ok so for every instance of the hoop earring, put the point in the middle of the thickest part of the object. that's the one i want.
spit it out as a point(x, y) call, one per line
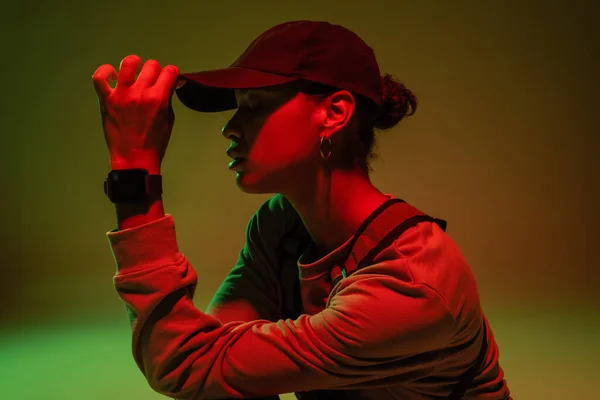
point(325, 155)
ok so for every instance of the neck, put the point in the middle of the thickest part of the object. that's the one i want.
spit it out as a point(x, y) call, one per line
point(334, 209)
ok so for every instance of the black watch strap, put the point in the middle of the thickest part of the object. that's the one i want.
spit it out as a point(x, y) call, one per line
point(132, 185)
point(154, 185)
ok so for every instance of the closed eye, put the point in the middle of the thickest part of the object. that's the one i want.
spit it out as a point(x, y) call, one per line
point(257, 108)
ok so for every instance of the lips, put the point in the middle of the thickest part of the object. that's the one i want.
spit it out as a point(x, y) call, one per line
point(234, 153)
point(238, 158)
point(236, 163)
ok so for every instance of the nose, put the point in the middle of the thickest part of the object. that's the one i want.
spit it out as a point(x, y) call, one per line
point(230, 133)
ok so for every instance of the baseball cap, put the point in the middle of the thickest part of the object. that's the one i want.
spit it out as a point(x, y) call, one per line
point(315, 51)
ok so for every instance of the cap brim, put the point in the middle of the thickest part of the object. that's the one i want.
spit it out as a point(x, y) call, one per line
point(213, 91)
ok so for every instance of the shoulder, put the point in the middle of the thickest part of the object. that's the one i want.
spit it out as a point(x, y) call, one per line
point(433, 259)
point(277, 210)
point(427, 243)
point(274, 218)
point(424, 235)
point(277, 204)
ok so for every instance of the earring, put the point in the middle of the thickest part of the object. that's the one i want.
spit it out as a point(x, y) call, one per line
point(325, 155)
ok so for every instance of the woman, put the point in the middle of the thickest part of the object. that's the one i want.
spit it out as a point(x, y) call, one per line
point(292, 315)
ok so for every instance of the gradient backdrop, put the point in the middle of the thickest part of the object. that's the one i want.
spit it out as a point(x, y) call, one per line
point(504, 145)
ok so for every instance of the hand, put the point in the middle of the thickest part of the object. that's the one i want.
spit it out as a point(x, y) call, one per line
point(137, 115)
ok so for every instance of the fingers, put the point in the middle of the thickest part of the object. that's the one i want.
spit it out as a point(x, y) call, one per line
point(101, 78)
point(149, 74)
point(167, 79)
point(130, 66)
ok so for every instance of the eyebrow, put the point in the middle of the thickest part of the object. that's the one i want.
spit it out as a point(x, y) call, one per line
point(246, 94)
point(252, 94)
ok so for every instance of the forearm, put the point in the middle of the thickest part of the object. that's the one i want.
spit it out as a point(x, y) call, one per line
point(132, 215)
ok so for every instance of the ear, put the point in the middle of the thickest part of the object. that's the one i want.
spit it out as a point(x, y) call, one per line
point(339, 109)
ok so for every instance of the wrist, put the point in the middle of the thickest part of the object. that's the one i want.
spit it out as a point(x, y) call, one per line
point(133, 215)
point(152, 170)
point(148, 163)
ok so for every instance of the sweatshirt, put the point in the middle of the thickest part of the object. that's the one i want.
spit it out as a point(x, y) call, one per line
point(406, 326)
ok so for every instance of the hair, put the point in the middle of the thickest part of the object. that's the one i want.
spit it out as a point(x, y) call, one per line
point(397, 103)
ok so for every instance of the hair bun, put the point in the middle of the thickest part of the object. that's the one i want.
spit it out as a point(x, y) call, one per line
point(398, 102)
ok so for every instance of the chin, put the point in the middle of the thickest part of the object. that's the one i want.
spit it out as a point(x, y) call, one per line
point(248, 185)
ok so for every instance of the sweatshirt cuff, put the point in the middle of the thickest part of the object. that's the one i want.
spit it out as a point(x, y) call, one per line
point(145, 247)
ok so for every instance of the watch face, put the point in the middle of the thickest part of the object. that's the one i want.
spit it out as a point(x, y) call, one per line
point(126, 186)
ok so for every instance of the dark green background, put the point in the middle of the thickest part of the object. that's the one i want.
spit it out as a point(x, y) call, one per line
point(504, 146)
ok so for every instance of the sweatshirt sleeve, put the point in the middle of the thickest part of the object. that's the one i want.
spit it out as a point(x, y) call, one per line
point(373, 325)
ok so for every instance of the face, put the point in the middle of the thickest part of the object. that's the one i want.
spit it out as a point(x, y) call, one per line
point(276, 133)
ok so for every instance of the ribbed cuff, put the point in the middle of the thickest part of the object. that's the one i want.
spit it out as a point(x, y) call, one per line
point(146, 246)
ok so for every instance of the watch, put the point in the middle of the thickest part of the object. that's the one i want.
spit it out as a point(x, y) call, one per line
point(132, 185)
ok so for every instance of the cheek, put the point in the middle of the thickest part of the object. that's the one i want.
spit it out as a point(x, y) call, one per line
point(284, 140)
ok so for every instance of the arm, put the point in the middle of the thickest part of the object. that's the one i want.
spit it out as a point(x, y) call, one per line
point(249, 291)
point(187, 354)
